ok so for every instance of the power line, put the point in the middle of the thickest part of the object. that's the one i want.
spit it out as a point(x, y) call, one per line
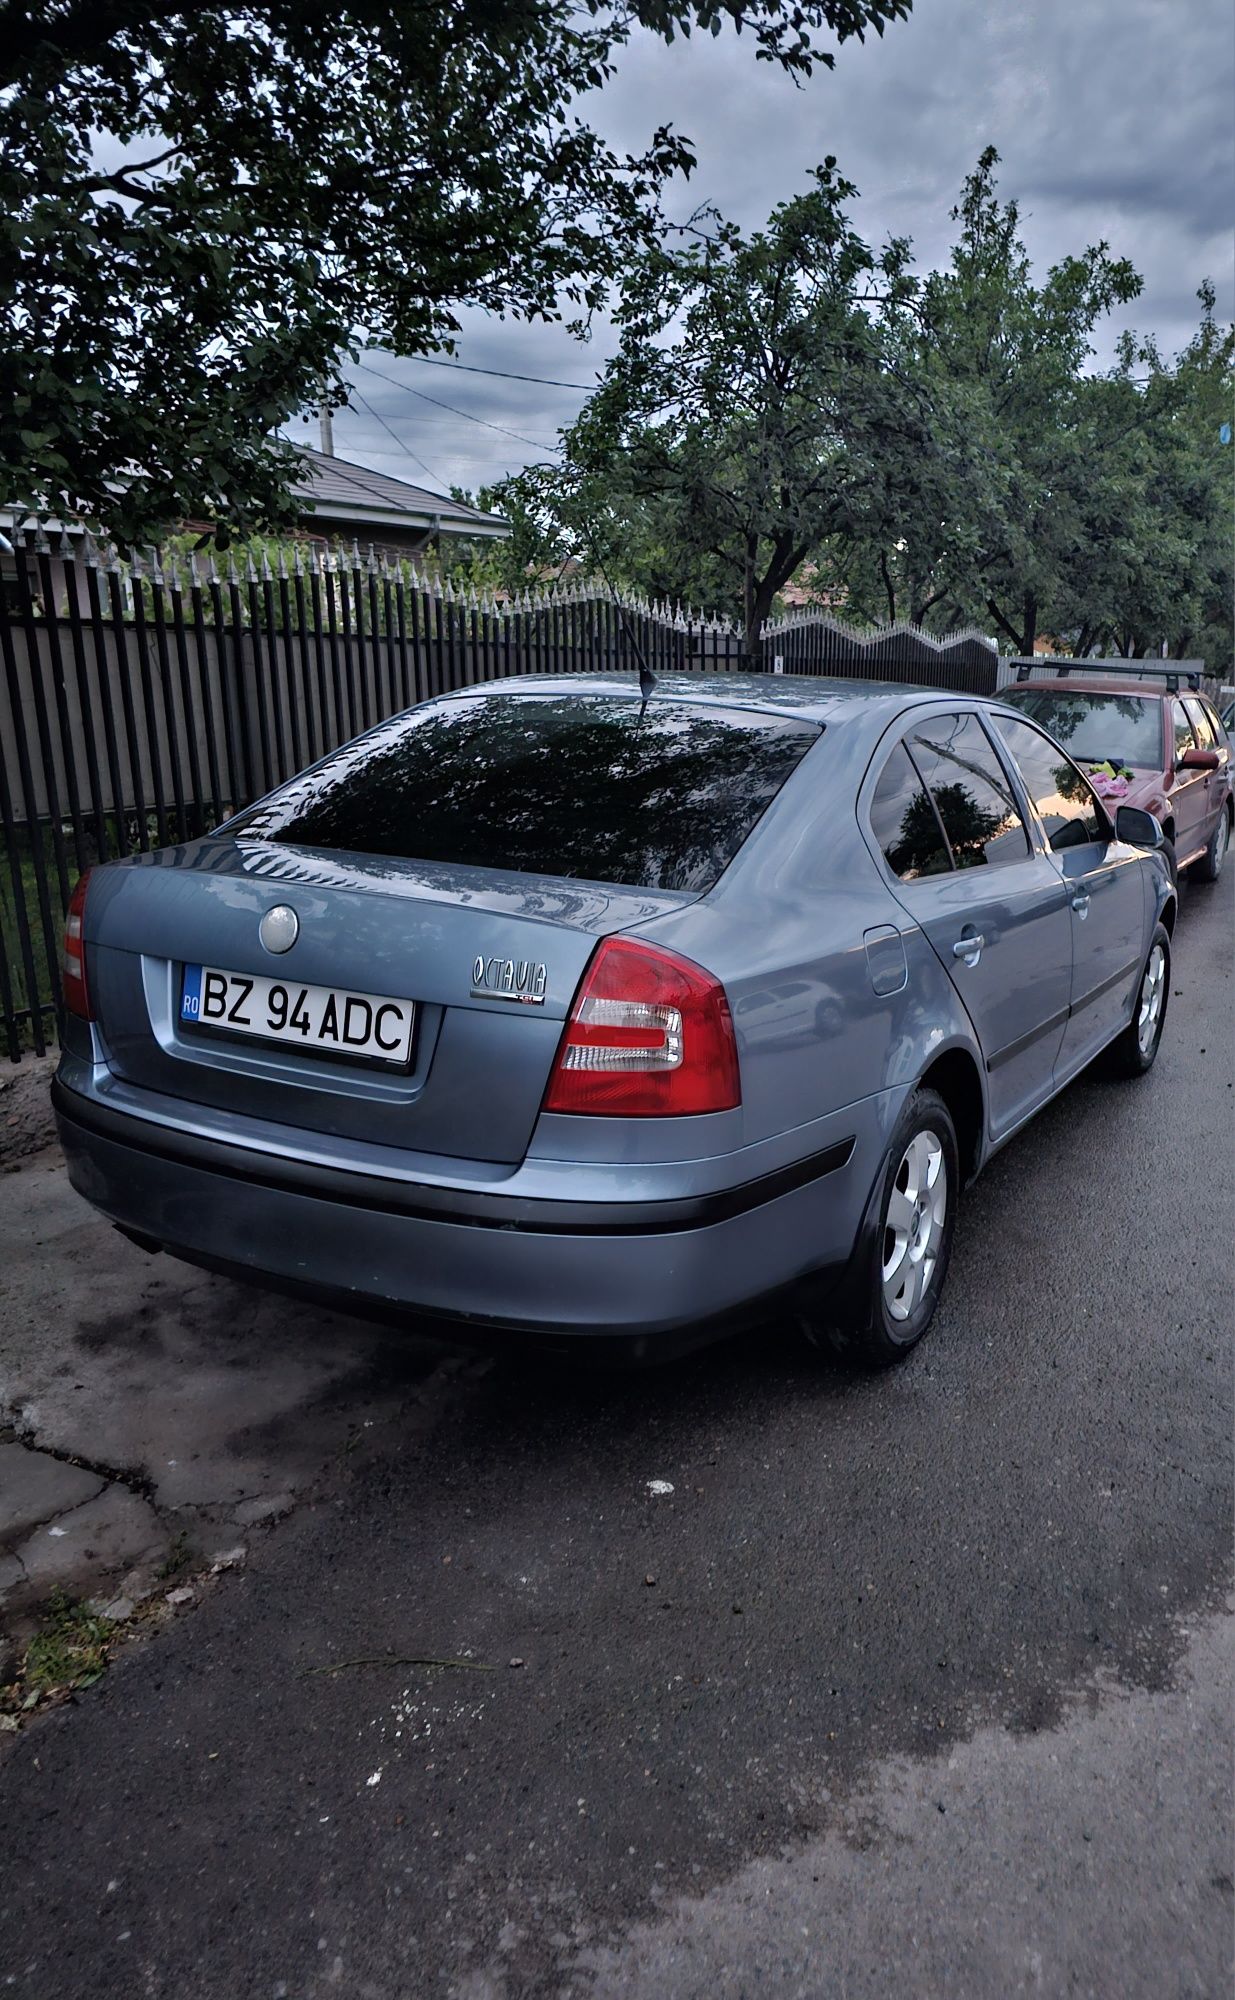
point(505, 374)
point(401, 442)
point(537, 444)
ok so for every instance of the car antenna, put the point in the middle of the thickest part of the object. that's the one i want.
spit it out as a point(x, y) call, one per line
point(648, 682)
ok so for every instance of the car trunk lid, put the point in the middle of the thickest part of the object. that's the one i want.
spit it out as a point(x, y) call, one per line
point(491, 961)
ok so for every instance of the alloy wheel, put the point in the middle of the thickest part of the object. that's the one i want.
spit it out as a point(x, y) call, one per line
point(1153, 992)
point(914, 1224)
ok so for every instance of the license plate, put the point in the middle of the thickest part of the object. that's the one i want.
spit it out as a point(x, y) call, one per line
point(326, 1020)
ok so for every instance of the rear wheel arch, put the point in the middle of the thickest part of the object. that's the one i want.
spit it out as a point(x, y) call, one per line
point(1168, 914)
point(958, 1080)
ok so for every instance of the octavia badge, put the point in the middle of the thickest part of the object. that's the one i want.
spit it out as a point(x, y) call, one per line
point(279, 928)
point(517, 979)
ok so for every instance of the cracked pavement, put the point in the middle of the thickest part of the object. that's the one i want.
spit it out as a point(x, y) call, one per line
point(780, 1683)
point(143, 1404)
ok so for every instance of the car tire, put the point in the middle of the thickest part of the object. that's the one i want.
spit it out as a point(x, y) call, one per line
point(1133, 1052)
point(1209, 867)
point(892, 1287)
point(1171, 859)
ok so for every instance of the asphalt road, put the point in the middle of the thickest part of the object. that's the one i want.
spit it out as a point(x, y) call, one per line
point(917, 1683)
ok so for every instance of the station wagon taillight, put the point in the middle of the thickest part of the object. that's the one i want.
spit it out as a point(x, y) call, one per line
point(73, 956)
point(650, 1036)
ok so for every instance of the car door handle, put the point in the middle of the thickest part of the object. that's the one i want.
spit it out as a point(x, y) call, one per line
point(1080, 902)
point(969, 948)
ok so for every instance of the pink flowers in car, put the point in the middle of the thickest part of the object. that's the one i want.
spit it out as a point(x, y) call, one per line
point(1110, 781)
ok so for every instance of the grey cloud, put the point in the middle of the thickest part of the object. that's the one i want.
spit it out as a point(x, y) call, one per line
point(1113, 118)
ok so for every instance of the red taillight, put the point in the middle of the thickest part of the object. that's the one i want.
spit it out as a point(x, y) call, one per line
point(650, 1036)
point(73, 957)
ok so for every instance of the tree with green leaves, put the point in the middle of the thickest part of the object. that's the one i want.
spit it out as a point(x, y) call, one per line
point(205, 209)
point(1001, 359)
point(1152, 561)
point(746, 418)
point(936, 449)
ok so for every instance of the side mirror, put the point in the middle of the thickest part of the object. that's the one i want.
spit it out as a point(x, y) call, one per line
point(1198, 760)
point(1138, 829)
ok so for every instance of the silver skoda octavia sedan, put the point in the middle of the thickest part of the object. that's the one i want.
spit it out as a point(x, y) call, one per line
point(547, 1006)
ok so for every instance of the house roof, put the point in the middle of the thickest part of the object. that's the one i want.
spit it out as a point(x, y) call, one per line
point(337, 490)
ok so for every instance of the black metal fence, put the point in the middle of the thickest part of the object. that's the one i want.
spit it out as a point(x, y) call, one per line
point(143, 701)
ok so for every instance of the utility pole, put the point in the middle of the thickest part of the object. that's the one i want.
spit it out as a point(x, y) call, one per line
point(325, 418)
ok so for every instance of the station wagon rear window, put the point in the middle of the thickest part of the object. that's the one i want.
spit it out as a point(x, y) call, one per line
point(596, 787)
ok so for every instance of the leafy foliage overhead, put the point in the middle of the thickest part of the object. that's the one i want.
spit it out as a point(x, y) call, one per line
point(202, 208)
point(745, 417)
point(793, 405)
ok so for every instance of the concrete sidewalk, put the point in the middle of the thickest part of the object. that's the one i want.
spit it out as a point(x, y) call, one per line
point(152, 1416)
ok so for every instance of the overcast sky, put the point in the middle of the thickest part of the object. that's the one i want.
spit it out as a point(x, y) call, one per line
point(1115, 119)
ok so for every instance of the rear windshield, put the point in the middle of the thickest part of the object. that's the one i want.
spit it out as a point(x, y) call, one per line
point(1097, 728)
point(581, 785)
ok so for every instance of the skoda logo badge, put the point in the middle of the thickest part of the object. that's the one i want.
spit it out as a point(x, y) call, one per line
point(279, 928)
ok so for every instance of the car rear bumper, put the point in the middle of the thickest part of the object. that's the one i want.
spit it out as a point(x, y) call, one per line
point(379, 1243)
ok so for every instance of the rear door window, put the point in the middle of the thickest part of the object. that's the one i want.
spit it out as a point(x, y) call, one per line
point(905, 823)
point(1063, 797)
point(599, 787)
point(1182, 729)
point(971, 790)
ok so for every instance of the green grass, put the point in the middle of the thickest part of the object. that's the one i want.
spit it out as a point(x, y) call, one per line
point(69, 1651)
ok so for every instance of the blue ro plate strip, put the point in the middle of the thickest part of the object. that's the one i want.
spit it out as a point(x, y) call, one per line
point(191, 993)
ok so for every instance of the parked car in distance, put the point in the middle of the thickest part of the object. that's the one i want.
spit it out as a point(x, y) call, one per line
point(1226, 708)
point(1162, 730)
point(550, 1007)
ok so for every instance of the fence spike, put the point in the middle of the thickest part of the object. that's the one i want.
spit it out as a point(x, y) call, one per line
point(93, 557)
point(371, 564)
point(176, 583)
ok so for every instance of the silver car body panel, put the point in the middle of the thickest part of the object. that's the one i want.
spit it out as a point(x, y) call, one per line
point(444, 1187)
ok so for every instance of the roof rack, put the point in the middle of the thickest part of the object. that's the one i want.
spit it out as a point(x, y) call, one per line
point(1173, 673)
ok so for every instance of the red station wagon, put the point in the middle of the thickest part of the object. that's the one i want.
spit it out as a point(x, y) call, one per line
point(1154, 725)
